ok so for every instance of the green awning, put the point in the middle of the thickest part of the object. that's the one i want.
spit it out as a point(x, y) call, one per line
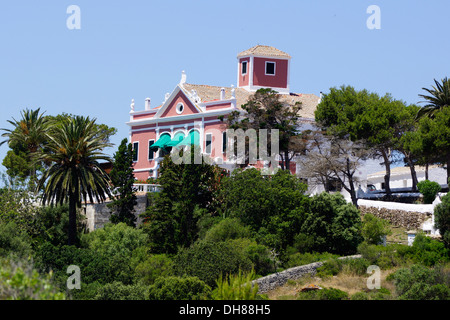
point(193, 138)
point(162, 142)
point(176, 140)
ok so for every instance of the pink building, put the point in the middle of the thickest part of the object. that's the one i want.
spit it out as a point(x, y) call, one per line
point(189, 115)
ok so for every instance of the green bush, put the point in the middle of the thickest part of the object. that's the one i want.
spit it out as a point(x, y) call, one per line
point(236, 287)
point(94, 268)
point(442, 218)
point(14, 241)
point(299, 259)
point(155, 266)
point(385, 257)
point(426, 251)
point(52, 223)
point(360, 296)
point(229, 228)
point(208, 260)
point(177, 288)
point(357, 266)
point(273, 207)
point(205, 222)
point(333, 224)
point(323, 294)
point(20, 281)
point(422, 283)
point(119, 291)
point(121, 246)
point(429, 189)
point(374, 229)
point(329, 268)
point(334, 266)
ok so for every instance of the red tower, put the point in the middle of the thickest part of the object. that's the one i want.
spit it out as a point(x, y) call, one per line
point(263, 67)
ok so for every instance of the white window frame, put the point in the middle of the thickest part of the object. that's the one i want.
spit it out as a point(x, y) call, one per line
point(177, 108)
point(154, 152)
point(224, 142)
point(274, 68)
point(137, 153)
point(206, 146)
point(246, 67)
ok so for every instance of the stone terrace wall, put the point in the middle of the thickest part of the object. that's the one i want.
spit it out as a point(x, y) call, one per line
point(399, 218)
point(278, 279)
point(98, 214)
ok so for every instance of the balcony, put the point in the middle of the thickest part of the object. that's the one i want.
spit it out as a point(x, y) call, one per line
point(143, 187)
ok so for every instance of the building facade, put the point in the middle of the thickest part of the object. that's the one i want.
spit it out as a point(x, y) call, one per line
point(189, 115)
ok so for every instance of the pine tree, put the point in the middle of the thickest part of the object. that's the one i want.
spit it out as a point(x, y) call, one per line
point(123, 179)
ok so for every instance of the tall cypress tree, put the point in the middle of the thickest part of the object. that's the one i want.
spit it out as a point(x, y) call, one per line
point(122, 178)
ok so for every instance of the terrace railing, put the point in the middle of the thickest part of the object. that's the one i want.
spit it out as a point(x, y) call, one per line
point(142, 187)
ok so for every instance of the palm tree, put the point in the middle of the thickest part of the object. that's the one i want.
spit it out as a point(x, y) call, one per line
point(30, 132)
point(73, 152)
point(438, 99)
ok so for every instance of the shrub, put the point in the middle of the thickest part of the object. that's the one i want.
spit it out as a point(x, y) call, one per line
point(299, 259)
point(329, 268)
point(229, 228)
point(323, 294)
point(333, 224)
point(374, 229)
point(208, 260)
point(121, 246)
point(177, 288)
point(52, 223)
point(118, 291)
point(20, 281)
point(429, 189)
point(273, 207)
point(205, 222)
point(14, 241)
point(426, 251)
point(422, 283)
point(96, 270)
point(360, 296)
point(385, 257)
point(155, 266)
point(442, 218)
point(115, 239)
point(236, 287)
point(263, 260)
point(357, 266)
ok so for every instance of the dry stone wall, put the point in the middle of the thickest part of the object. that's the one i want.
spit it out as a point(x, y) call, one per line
point(278, 279)
point(399, 218)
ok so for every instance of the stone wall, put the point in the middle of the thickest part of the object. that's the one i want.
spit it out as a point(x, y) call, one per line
point(278, 279)
point(400, 218)
point(98, 214)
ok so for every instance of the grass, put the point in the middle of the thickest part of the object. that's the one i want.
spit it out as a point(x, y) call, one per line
point(398, 235)
point(346, 281)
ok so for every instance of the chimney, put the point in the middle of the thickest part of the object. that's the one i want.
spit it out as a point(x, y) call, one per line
point(222, 94)
point(183, 77)
point(147, 104)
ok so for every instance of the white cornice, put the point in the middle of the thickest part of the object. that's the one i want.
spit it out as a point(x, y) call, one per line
point(266, 57)
point(142, 122)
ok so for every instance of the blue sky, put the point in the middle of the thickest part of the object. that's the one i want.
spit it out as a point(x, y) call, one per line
point(137, 49)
